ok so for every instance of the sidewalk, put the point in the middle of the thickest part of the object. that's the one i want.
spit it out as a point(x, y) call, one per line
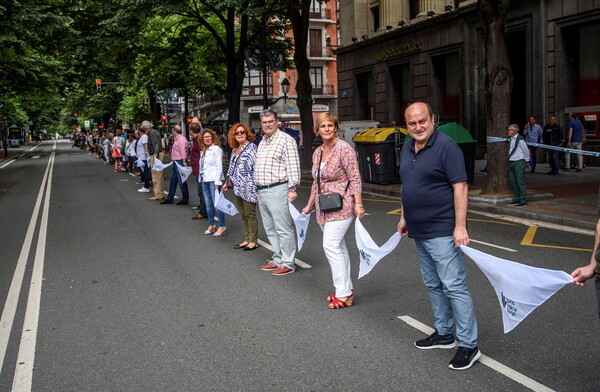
point(15, 151)
point(569, 199)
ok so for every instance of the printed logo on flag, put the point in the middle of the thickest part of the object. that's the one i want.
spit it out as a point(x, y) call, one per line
point(365, 256)
point(509, 305)
point(302, 233)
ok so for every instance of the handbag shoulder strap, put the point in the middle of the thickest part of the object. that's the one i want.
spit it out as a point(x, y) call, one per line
point(319, 176)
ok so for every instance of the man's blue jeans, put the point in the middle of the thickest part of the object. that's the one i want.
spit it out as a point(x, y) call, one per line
point(174, 180)
point(443, 272)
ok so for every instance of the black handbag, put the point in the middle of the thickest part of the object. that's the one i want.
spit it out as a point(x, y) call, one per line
point(330, 202)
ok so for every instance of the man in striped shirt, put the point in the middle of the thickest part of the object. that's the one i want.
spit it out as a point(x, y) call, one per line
point(277, 175)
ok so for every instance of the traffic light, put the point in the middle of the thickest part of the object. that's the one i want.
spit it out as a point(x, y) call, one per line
point(98, 84)
point(164, 117)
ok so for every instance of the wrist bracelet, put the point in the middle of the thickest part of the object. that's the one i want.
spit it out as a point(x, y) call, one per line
point(359, 205)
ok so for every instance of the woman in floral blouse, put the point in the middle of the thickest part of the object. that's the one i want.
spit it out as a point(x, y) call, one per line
point(336, 168)
point(241, 174)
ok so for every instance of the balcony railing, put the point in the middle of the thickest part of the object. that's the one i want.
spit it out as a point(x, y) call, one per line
point(319, 51)
point(253, 91)
point(316, 13)
point(323, 89)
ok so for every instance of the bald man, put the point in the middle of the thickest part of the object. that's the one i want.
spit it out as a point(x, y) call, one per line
point(434, 214)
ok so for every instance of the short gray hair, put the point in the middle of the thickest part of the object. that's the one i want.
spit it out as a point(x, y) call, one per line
point(514, 127)
point(268, 112)
point(146, 124)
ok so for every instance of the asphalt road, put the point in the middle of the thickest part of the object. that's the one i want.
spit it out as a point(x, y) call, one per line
point(135, 298)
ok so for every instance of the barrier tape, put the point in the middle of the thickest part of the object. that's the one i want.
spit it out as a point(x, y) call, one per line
point(491, 139)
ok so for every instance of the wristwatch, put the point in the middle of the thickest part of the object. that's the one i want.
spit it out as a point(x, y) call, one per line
point(292, 190)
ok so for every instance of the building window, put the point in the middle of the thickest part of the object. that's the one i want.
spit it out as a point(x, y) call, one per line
point(399, 92)
point(316, 80)
point(414, 8)
point(365, 98)
point(376, 20)
point(253, 84)
point(315, 9)
point(446, 86)
point(315, 42)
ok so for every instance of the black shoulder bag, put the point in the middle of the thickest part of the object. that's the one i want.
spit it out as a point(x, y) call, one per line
point(333, 201)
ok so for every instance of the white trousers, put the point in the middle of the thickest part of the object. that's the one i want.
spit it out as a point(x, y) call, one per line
point(334, 245)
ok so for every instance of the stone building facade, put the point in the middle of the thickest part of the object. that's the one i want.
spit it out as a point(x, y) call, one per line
point(397, 52)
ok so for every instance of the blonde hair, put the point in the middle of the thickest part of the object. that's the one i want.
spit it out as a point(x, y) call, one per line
point(325, 116)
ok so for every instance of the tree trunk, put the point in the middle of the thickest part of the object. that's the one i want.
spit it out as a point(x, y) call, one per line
point(300, 22)
point(154, 109)
point(498, 84)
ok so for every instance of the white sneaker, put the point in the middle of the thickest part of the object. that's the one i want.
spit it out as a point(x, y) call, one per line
point(144, 190)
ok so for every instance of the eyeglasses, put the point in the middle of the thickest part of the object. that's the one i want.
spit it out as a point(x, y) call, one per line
point(240, 133)
point(206, 137)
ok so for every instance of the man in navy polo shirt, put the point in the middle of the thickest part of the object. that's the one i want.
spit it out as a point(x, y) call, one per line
point(434, 214)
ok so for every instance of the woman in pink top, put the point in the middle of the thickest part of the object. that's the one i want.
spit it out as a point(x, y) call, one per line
point(335, 168)
point(178, 155)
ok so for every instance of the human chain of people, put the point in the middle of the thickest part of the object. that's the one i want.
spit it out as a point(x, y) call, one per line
point(266, 177)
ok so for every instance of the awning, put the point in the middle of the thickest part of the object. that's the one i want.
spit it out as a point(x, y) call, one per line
point(217, 116)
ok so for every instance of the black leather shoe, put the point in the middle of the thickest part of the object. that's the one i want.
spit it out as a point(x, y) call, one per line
point(182, 202)
point(166, 201)
point(247, 248)
point(238, 246)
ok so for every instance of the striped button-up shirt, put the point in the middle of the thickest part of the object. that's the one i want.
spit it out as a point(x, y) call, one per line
point(277, 160)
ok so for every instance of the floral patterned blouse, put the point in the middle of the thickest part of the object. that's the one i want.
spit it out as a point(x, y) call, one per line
point(241, 172)
point(341, 167)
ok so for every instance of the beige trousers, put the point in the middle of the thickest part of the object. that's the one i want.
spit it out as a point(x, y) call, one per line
point(157, 178)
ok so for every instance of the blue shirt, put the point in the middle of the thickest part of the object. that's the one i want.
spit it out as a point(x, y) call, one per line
point(533, 134)
point(427, 192)
point(576, 136)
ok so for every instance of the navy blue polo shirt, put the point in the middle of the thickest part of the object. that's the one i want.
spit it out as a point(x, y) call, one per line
point(427, 193)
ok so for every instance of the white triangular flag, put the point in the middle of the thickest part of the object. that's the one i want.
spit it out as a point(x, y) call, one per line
point(184, 172)
point(159, 166)
point(301, 222)
point(221, 203)
point(369, 252)
point(140, 163)
point(520, 288)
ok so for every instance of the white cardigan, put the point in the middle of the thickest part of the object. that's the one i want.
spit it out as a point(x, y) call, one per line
point(212, 170)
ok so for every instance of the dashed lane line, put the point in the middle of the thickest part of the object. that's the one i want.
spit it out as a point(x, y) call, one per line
point(487, 361)
point(493, 245)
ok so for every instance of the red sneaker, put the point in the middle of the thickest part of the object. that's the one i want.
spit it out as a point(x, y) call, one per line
point(282, 270)
point(139, 182)
point(271, 266)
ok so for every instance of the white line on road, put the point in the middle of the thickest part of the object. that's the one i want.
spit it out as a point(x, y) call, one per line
point(21, 155)
point(35, 156)
point(297, 261)
point(487, 361)
point(492, 245)
point(530, 222)
point(23, 377)
point(12, 299)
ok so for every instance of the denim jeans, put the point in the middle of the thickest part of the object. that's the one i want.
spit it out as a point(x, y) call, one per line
point(208, 189)
point(443, 272)
point(574, 146)
point(176, 179)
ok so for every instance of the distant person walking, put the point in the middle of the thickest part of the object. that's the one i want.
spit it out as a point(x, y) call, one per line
point(533, 134)
point(574, 141)
point(553, 136)
point(518, 156)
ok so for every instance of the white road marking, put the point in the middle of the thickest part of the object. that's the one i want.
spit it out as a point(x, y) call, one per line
point(487, 361)
point(297, 261)
point(530, 222)
point(12, 299)
point(7, 163)
point(35, 156)
point(23, 377)
point(492, 245)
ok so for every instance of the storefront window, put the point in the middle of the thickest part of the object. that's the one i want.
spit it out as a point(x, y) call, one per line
point(446, 86)
point(365, 97)
point(399, 92)
point(589, 65)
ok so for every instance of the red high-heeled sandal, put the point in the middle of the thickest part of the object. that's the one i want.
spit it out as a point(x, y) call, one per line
point(332, 297)
point(340, 304)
